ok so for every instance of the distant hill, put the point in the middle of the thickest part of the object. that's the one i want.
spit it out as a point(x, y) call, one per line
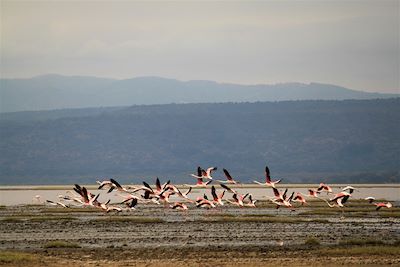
point(301, 141)
point(59, 92)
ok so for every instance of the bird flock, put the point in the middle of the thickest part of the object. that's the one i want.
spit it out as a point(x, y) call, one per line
point(160, 193)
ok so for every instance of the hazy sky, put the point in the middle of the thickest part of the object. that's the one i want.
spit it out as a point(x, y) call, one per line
point(349, 43)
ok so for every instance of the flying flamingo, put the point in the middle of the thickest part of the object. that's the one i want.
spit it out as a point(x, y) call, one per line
point(324, 187)
point(252, 202)
point(369, 199)
point(350, 188)
point(56, 203)
point(313, 193)
point(340, 198)
point(184, 195)
point(179, 206)
point(383, 205)
point(238, 199)
point(106, 183)
point(199, 174)
point(268, 180)
point(207, 174)
point(200, 183)
point(228, 188)
point(204, 202)
point(116, 185)
point(217, 198)
point(131, 205)
point(87, 198)
point(37, 198)
point(281, 199)
point(229, 179)
point(300, 198)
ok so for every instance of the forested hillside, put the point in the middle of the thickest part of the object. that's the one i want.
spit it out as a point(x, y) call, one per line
point(301, 141)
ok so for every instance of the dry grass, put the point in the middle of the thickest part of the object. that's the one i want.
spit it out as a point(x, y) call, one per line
point(312, 241)
point(266, 219)
point(61, 244)
point(128, 219)
point(14, 257)
point(68, 210)
point(51, 218)
point(361, 242)
point(361, 250)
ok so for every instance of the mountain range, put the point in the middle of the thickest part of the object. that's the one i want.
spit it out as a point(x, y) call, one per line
point(54, 91)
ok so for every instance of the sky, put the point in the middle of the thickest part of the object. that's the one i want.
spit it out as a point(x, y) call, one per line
point(355, 44)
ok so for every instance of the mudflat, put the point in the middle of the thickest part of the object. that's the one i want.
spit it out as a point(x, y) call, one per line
point(151, 235)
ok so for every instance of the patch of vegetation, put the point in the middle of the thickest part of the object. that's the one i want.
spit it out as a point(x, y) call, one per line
point(61, 244)
point(219, 215)
point(361, 242)
point(362, 250)
point(12, 257)
point(353, 212)
point(129, 219)
point(68, 210)
point(51, 218)
point(2, 207)
point(12, 220)
point(270, 219)
point(258, 215)
point(312, 241)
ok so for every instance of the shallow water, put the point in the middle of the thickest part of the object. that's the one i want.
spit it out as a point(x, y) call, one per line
point(17, 195)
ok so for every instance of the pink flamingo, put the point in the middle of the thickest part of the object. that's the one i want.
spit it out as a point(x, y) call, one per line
point(383, 205)
point(229, 179)
point(217, 198)
point(268, 180)
point(179, 206)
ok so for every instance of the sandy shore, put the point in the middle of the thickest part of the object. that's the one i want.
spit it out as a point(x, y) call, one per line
point(154, 236)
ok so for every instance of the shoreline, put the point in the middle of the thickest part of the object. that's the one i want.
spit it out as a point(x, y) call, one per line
point(92, 186)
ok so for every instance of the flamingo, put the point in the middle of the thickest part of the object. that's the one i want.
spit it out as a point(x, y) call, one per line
point(199, 174)
point(132, 204)
point(383, 205)
point(325, 187)
point(340, 198)
point(179, 206)
point(281, 199)
point(228, 188)
point(268, 180)
point(229, 179)
point(252, 202)
point(204, 202)
point(207, 174)
point(37, 198)
point(200, 183)
point(184, 195)
point(217, 198)
point(238, 199)
point(58, 203)
point(350, 188)
point(87, 198)
point(164, 196)
point(105, 183)
point(300, 198)
point(313, 193)
point(151, 197)
point(369, 199)
point(159, 187)
point(116, 185)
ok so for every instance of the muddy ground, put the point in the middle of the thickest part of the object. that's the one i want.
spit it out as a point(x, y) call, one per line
point(230, 236)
